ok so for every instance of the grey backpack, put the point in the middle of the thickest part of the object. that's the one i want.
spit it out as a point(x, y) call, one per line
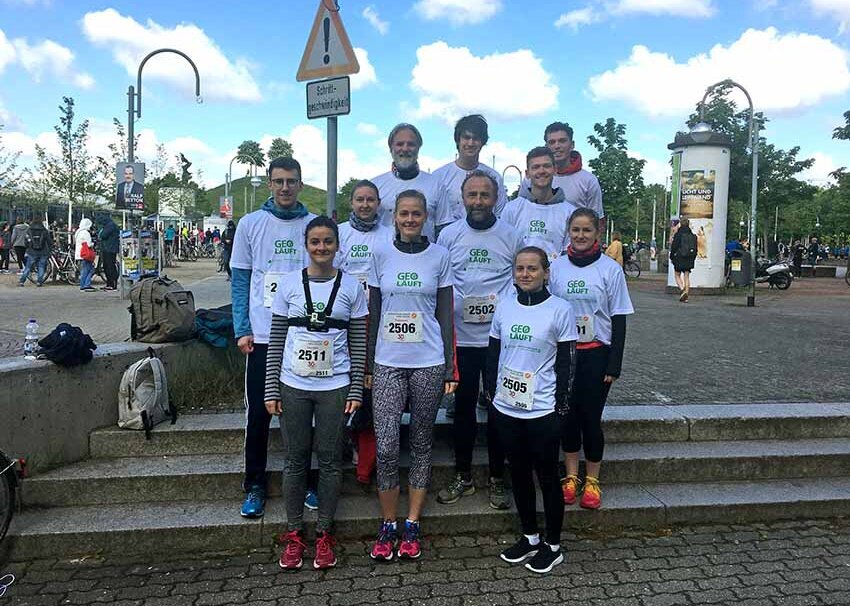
point(143, 396)
point(161, 311)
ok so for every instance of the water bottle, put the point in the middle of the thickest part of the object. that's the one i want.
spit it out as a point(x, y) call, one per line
point(31, 340)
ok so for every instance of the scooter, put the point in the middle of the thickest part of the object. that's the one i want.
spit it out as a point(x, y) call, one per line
point(777, 273)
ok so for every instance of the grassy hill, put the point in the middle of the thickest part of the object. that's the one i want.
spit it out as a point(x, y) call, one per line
point(315, 198)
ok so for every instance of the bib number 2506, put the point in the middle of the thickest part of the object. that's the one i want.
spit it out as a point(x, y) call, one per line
point(403, 327)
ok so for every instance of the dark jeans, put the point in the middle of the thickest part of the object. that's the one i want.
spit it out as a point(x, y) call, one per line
point(4, 258)
point(110, 266)
point(20, 254)
point(471, 364)
point(583, 424)
point(258, 419)
point(533, 446)
point(40, 261)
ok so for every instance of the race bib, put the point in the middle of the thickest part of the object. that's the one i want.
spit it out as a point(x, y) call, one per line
point(586, 333)
point(403, 327)
point(271, 281)
point(362, 279)
point(313, 357)
point(479, 310)
point(516, 387)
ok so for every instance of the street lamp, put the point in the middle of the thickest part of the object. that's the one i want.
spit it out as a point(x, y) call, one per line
point(817, 222)
point(516, 168)
point(256, 181)
point(754, 146)
point(227, 178)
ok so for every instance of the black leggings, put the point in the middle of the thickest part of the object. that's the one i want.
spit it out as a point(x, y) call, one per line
point(20, 254)
point(4, 258)
point(583, 424)
point(110, 266)
point(257, 417)
point(532, 446)
point(471, 364)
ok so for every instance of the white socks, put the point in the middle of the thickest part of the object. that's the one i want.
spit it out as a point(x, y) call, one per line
point(533, 539)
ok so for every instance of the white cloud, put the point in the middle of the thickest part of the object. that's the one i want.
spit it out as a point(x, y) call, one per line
point(45, 59)
point(838, 9)
point(8, 119)
point(366, 75)
point(372, 16)
point(602, 9)
point(818, 174)
point(776, 70)
point(458, 12)
point(452, 82)
point(129, 41)
point(578, 17)
point(654, 171)
point(366, 128)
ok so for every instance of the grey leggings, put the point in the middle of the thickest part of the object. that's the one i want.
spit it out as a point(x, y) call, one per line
point(296, 426)
point(391, 388)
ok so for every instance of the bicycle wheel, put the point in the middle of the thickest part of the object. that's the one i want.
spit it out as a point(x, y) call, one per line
point(632, 269)
point(7, 497)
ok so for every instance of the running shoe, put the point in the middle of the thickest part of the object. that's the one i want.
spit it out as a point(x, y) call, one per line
point(255, 502)
point(519, 551)
point(325, 557)
point(570, 487)
point(545, 559)
point(311, 500)
point(498, 495)
point(292, 556)
point(457, 488)
point(384, 546)
point(592, 495)
point(410, 547)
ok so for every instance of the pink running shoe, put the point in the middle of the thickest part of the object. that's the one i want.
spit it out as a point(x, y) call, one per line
point(325, 557)
point(292, 556)
point(385, 543)
point(409, 548)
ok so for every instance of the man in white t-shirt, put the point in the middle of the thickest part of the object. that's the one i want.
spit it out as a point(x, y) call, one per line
point(268, 244)
point(404, 142)
point(581, 188)
point(470, 137)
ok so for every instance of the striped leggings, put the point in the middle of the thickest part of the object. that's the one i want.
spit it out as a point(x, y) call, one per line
point(392, 387)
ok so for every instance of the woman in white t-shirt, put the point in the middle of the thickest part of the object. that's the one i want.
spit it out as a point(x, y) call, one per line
point(595, 286)
point(411, 355)
point(315, 366)
point(530, 364)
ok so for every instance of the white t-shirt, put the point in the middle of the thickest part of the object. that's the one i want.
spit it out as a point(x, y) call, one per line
point(529, 334)
point(482, 272)
point(317, 361)
point(409, 335)
point(580, 189)
point(269, 247)
point(541, 225)
point(596, 292)
point(355, 249)
point(451, 177)
point(390, 186)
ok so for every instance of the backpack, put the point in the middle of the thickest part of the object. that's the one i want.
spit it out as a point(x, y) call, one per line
point(161, 311)
point(67, 345)
point(215, 326)
point(143, 396)
point(37, 238)
point(687, 245)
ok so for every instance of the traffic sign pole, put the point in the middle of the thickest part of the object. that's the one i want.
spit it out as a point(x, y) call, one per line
point(332, 160)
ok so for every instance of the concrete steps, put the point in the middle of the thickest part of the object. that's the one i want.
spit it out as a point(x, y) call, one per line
point(664, 465)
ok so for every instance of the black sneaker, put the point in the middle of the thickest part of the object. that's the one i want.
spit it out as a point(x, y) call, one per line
point(545, 560)
point(519, 551)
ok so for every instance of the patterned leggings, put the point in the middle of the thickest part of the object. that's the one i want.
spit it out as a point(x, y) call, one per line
point(392, 387)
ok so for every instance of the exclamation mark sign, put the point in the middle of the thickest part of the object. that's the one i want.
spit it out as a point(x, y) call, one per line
point(327, 24)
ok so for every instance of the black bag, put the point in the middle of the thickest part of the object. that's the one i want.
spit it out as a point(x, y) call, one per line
point(687, 247)
point(37, 238)
point(67, 345)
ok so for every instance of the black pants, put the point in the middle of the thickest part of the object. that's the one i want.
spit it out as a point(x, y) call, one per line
point(533, 446)
point(258, 418)
point(583, 424)
point(110, 266)
point(20, 253)
point(4, 258)
point(471, 364)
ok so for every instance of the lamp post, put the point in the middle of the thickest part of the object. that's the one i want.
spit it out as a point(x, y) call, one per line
point(256, 181)
point(134, 110)
point(754, 147)
point(516, 168)
point(227, 178)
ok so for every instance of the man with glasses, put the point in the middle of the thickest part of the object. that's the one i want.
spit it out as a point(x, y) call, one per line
point(404, 143)
point(268, 244)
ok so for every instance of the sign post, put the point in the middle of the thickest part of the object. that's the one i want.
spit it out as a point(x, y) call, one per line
point(328, 53)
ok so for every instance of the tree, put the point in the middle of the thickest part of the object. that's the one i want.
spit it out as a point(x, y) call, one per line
point(280, 148)
point(343, 200)
point(843, 132)
point(9, 174)
point(620, 176)
point(252, 150)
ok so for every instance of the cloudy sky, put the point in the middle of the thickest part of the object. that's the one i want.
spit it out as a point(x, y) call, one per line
point(522, 64)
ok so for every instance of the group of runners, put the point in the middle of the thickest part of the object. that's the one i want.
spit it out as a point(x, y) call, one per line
point(436, 285)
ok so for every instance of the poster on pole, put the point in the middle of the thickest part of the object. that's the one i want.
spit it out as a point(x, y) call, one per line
point(130, 242)
point(130, 186)
point(225, 207)
point(697, 194)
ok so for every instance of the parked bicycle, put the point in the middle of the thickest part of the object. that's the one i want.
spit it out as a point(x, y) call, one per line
point(632, 268)
point(61, 266)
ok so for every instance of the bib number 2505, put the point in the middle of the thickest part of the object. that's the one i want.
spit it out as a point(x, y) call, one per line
point(516, 388)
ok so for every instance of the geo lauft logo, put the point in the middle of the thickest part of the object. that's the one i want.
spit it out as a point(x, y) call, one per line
point(360, 251)
point(521, 332)
point(537, 227)
point(479, 255)
point(284, 247)
point(409, 279)
point(577, 287)
point(317, 306)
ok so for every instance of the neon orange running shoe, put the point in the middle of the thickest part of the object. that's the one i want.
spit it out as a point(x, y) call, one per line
point(570, 487)
point(591, 498)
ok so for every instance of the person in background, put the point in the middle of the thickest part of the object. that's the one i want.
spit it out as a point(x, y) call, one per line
point(83, 236)
point(615, 248)
point(19, 241)
point(813, 251)
point(227, 245)
point(5, 247)
point(170, 232)
point(110, 242)
point(39, 244)
point(683, 253)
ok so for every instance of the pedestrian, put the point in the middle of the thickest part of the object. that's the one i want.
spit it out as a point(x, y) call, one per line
point(482, 250)
point(5, 247)
point(83, 240)
point(410, 305)
point(19, 241)
point(683, 253)
point(359, 237)
point(110, 242)
point(39, 244)
point(227, 245)
point(797, 258)
point(615, 248)
point(813, 251)
point(267, 245)
point(170, 232)
point(541, 211)
point(530, 365)
point(316, 361)
point(595, 286)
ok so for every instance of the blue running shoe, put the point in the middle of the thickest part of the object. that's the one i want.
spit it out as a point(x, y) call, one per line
point(255, 502)
point(311, 500)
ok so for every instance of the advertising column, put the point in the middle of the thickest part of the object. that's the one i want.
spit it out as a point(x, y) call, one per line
point(699, 193)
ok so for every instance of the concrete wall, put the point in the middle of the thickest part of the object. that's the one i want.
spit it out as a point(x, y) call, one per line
point(47, 411)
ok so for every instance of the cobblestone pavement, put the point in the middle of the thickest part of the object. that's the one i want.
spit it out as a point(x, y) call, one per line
point(782, 564)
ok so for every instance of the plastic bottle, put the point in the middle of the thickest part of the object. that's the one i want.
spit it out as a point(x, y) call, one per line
point(31, 340)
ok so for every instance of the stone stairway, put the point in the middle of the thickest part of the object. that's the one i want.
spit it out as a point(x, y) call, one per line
point(664, 465)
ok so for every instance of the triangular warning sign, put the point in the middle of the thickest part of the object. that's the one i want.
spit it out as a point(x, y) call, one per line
point(328, 51)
